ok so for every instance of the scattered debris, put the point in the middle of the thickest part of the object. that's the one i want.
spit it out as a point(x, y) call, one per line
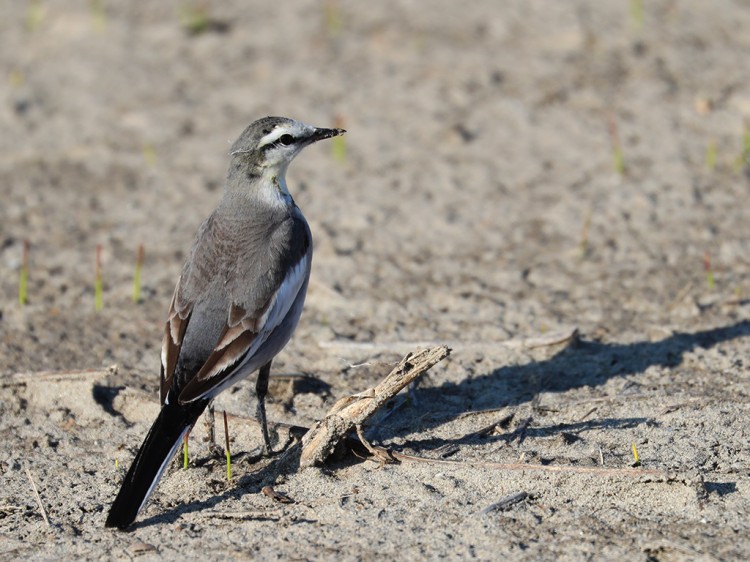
point(504, 502)
point(36, 495)
point(139, 547)
point(276, 496)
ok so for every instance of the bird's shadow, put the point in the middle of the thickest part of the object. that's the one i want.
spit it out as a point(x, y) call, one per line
point(582, 363)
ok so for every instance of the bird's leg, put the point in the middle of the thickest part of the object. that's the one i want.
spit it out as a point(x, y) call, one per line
point(209, 420)
point(261, 389)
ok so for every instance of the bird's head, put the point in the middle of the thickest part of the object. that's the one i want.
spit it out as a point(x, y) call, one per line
point(269, 144)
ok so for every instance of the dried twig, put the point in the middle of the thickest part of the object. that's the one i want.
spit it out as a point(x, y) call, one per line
point(447, 450)
point(381, 454)
point(587, 414)
point(36, 494)
point(363, 440)
point(246, 515)
point(520, 431)
point(139, 548)
point(612, 472)
point(348, 412)
point(480, 412)
point(504, 502)
point(492, 428)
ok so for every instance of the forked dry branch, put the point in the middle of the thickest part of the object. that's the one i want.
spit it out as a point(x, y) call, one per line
point(352, 411)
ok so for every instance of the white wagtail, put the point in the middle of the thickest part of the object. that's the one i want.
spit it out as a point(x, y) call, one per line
point(237, 301)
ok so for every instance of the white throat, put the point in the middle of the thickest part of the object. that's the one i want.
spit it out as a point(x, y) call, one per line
point(273, 187)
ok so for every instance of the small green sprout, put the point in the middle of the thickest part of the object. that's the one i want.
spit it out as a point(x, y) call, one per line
point(194, 18)
point(637, 460)
point(34, 15)
point(98, 15)
point(334, 21)
point(709, 271)
point(15, 78)
point(226, 450)
point(637, 14)
point(149, 154)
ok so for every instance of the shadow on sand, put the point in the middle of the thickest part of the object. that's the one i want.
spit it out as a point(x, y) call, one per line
point(582, 363)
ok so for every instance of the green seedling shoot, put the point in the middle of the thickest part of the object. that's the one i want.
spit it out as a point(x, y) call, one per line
point(637, 460)
point(34, 15)
point(15, 78)
point(149, 154)
point(185, 451)
point(334, 20)
point(637, 14)
point(709, 271)
point(194, 18)
point(228, 454)
point(98, 15)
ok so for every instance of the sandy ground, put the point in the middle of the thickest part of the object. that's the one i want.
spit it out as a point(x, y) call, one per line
point(477, 205)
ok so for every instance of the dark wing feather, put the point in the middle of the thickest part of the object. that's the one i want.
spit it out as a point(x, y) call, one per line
point(174, 332)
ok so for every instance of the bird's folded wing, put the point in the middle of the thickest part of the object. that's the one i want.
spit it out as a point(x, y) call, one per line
point(174, 332)
point(245, 333)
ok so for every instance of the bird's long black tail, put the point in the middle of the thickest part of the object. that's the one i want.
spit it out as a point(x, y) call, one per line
point(152, 459)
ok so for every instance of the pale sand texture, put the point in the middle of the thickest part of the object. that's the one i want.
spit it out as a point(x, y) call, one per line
point(477, 205)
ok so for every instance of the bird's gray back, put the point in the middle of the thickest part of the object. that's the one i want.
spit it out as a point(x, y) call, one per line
point(238, 261)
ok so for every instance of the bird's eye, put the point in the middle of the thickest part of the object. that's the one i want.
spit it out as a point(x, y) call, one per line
point(286, 140)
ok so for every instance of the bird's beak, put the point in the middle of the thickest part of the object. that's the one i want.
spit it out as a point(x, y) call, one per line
point(320, 134)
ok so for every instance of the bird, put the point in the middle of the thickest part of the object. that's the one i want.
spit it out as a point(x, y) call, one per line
point(237, 301)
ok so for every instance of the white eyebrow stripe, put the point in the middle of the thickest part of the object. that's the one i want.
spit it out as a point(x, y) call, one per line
point(274, 135)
